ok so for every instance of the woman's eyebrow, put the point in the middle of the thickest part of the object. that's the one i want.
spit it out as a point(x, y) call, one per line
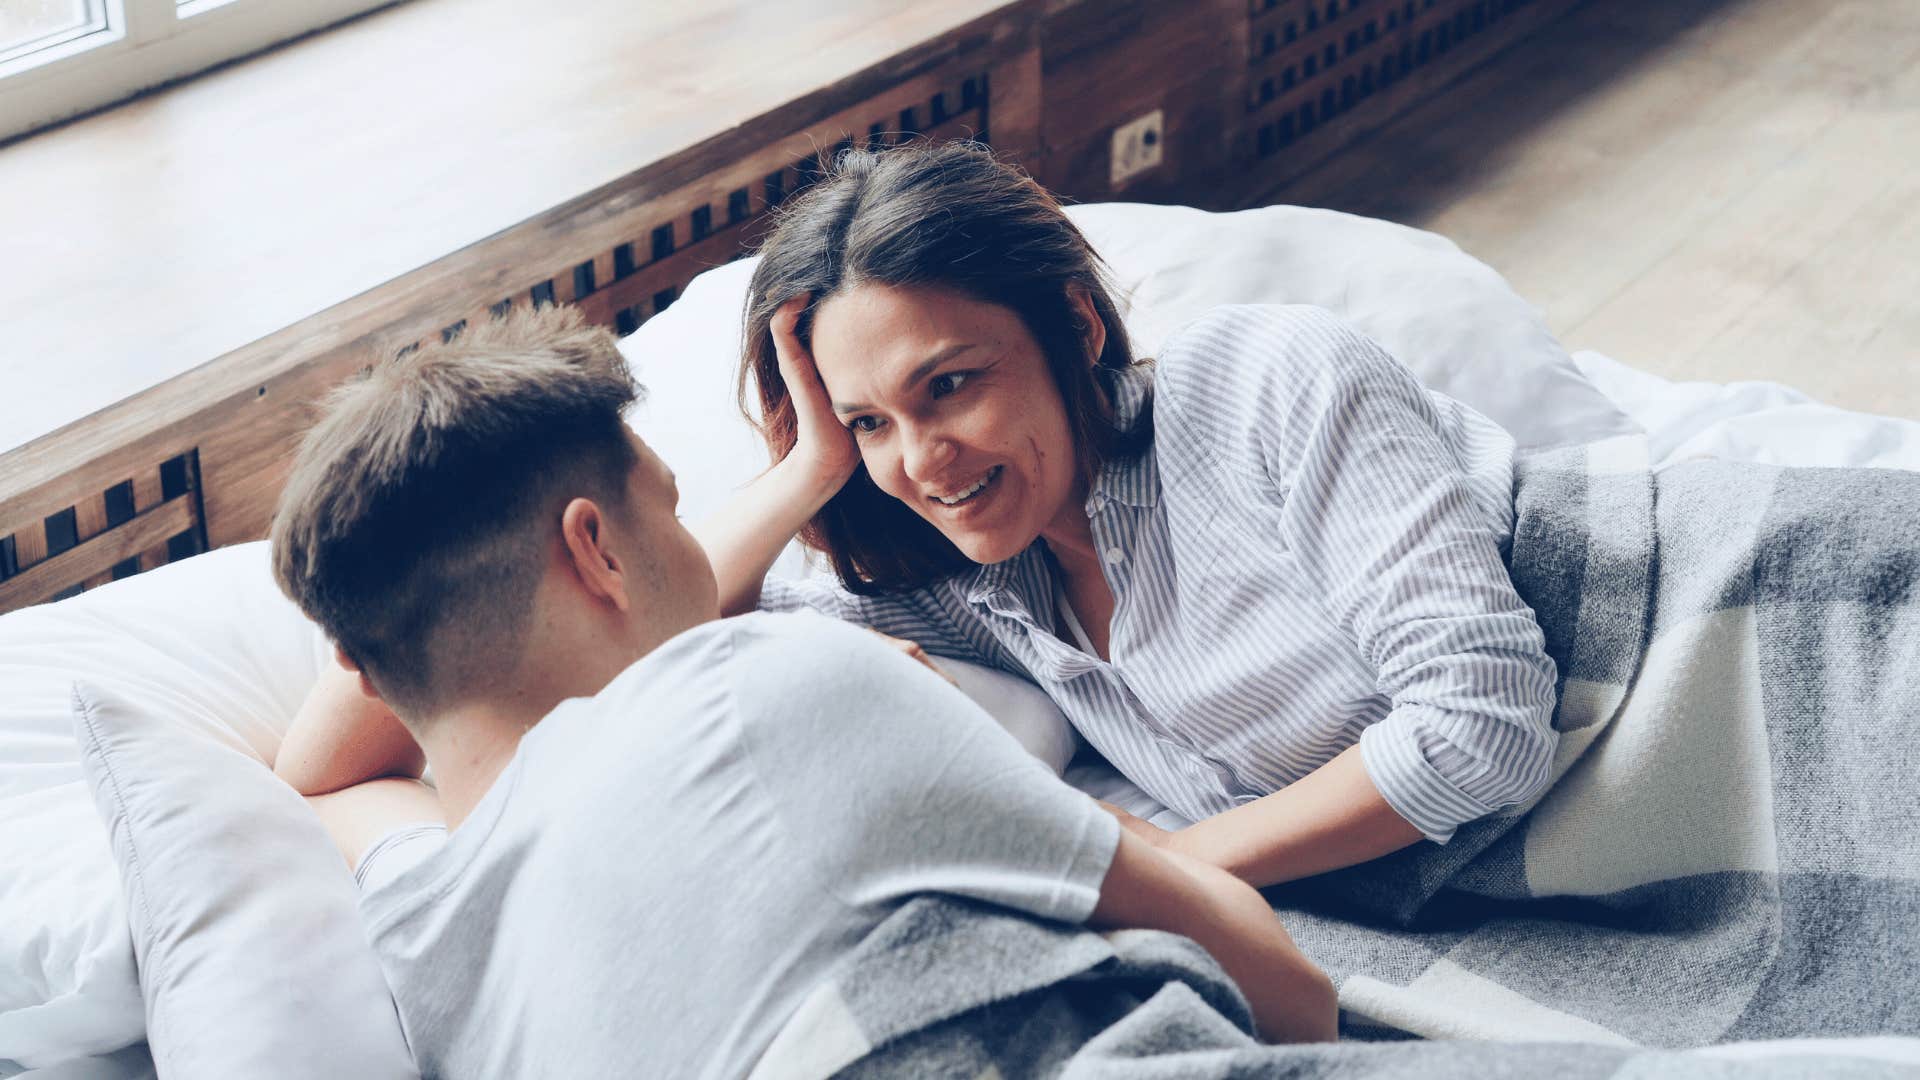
point(920, 371)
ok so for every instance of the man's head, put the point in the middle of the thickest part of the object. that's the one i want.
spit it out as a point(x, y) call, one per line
point(474, 519)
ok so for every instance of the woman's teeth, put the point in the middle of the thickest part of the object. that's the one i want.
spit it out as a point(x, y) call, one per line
point(962, 496)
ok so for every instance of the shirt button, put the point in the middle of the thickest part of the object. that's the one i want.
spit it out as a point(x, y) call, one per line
point(1116, 556)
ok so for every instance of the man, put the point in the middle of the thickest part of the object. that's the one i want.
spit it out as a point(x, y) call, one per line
point(662, 828)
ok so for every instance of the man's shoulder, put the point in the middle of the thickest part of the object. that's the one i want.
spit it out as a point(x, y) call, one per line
point(760, 653)
point(805, 652)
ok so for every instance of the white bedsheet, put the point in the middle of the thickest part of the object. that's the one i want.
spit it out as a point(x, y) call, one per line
point(1761, 422)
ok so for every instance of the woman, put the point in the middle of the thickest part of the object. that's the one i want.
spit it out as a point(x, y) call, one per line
point(1262, 575)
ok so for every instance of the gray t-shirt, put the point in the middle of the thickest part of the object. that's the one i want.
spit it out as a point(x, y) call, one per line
point(664, 870)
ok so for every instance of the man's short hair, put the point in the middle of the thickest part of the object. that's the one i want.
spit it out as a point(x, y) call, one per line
point(416, 522)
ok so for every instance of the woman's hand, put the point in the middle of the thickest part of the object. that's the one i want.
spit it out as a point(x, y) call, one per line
point(342, 736)
point(744, 538)
point(912, 651)
point(823, 452)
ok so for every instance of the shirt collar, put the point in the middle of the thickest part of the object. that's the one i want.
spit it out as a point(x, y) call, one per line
point(1133, 481)
point(991, 579)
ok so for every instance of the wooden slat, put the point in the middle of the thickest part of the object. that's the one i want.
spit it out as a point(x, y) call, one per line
point(146, 488)
point(30, 544)
point(90, 517)
point(97, 556)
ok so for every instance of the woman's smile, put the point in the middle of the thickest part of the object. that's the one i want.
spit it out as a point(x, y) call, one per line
point(973, 493)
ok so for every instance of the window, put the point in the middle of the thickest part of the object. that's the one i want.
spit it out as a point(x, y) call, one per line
point(59, 58)
point(31, 26)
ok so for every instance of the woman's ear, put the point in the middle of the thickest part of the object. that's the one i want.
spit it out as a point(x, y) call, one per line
point(583, 529)
point(1094, 331)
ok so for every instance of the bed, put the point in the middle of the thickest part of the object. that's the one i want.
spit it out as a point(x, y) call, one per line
point(103, 970)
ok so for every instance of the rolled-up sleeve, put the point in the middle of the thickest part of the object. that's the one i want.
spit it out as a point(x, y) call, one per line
point(1378, 510)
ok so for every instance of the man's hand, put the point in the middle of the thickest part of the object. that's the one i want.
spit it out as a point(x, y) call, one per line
point(1160, 889)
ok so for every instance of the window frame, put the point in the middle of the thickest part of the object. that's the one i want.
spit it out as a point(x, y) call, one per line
point(147, 43)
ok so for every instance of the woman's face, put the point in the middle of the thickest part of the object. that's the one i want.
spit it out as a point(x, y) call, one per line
point(954, 411)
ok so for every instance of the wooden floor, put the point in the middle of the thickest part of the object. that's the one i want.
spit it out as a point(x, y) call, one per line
point(1706, 189)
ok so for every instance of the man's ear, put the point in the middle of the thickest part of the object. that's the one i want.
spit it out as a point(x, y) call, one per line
point(1095, 334)
point(583, 529)
point(345, 661)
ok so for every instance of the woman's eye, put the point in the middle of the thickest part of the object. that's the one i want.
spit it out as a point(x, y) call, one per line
point(942, 385)
point(862, 425)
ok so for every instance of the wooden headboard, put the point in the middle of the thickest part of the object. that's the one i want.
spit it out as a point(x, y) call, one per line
point(197, 461)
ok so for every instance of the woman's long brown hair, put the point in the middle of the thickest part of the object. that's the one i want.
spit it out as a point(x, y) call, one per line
point(945, 215)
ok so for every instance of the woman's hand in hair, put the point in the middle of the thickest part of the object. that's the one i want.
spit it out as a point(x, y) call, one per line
point(823, 448)
point(744, 538)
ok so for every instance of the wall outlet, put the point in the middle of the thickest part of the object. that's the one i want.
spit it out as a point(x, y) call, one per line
point(1138, 145)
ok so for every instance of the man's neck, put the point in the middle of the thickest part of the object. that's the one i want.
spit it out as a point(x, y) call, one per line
point(469, 746)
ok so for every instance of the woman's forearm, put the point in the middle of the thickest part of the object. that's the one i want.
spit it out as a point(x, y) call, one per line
point(744, 538)
point(341, 737)
point(1331, 818)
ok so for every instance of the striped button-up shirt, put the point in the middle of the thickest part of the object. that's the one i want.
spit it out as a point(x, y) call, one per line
point(1311, 554)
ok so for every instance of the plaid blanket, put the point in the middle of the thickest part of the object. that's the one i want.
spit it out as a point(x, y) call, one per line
point(1731, 849)
point(952, 988)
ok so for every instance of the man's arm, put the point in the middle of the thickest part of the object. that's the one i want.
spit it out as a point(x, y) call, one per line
point(342, 736)
point(1153, 888)
point(359, 815)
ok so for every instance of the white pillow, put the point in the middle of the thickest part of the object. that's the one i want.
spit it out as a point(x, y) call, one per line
point(208, 642)
point(1024, 709)
point(687, 358)
point(252, 957)
point(1445, 314)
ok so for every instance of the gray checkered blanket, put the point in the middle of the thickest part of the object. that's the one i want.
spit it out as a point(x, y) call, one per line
point(1731, 849)
point(952, 988)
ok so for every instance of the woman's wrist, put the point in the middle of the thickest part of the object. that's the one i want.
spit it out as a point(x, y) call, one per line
point(801, 487)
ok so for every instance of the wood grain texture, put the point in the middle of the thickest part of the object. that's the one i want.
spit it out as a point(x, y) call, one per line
point(96, 557)
point(1707, 189)
point(220, 211)
point(1106, 62)
point(1328, 110)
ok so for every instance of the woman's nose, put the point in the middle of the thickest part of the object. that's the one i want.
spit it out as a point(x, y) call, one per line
point(926, 454)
